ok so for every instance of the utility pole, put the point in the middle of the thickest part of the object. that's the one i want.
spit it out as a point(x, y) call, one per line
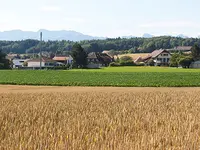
point(40, 50)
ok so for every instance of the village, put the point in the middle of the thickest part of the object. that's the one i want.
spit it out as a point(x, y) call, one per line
point(96, 60)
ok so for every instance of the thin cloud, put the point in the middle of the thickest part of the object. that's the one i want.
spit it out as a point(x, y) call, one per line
point(170, 24)
point(50, 8)
point(75, 19)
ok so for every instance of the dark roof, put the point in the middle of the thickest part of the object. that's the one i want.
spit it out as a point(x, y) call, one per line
point(155, 54)
point(102, 57)
point(92, 55)
point(183, 48)
point(139, 59)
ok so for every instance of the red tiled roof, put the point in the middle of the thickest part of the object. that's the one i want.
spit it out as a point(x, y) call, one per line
point(59, 58)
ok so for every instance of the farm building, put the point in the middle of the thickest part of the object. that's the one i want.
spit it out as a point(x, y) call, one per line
point(97, 60)
point(160, 57)
point(181, 49)
point(63, 59)
point(45, 63)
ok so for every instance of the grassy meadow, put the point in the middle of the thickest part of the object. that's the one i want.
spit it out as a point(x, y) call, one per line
point(99, 119)
point(111, 76)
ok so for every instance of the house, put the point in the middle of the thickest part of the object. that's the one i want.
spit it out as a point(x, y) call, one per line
point(12, 56)
point(160, 57)
point(63, 59)
point(181, 49)
point(18, 63)
point(98, 60)
point(45, 63)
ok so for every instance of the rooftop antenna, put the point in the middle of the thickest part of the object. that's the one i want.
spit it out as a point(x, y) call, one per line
point(40, 50)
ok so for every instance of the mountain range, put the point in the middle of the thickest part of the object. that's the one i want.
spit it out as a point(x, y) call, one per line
point(15, 35)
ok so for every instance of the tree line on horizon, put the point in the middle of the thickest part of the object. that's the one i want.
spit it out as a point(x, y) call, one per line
point(120, 45)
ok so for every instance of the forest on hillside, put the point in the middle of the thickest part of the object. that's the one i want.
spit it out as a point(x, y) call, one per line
point(122, 45)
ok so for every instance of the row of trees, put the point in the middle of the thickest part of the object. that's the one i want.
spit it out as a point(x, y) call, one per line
point(119, 45)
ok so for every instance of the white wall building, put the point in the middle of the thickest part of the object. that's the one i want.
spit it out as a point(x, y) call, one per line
point(35, 63)
point(18, 63)
point(160, 57)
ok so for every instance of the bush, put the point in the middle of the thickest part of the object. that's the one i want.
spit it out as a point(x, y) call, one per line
point(114, 64)
point(127, 63)
point(61, 68)
point(126, 59)
point(140, 64)
point(151, 62)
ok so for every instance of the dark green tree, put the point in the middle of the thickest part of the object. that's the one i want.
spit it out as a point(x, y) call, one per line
point(185, 62)
point(79, 56)
point(174, 61)
point(195, 52)
point(4, 63)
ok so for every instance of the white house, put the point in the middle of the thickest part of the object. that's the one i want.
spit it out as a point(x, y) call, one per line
point(18, 63)
point(45, 62)
point(160, 57)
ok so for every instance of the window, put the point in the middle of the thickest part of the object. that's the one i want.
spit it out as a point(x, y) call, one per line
point(164, 60)
point(167, 59)
point(164, 54)
point(159, 59)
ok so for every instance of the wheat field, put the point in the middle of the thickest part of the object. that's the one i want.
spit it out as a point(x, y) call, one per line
point(78, 118)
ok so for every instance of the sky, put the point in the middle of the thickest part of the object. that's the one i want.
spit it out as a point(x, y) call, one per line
point(106, 18)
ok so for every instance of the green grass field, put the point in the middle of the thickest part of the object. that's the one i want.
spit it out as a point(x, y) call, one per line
point(119, 76)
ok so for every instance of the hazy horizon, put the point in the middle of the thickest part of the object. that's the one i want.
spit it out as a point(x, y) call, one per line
point(103, 18)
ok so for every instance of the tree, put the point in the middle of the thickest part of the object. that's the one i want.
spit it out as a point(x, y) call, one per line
point(150, 62)
point(174, 61)
point(126, 61)
point(195, 52)
point(113, 53)
point(186, 61)
point(4, 63)
point(79, 56)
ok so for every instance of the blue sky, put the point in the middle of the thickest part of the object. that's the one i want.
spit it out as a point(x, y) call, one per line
point(108, 18)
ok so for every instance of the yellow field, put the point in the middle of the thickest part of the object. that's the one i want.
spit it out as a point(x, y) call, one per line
point(59, 118)
point(135, 56)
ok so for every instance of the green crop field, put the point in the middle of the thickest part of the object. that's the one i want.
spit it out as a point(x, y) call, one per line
point(119, 76)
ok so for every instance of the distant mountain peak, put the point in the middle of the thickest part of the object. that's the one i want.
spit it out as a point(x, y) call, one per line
point(182, 36)
point(15, 35)
point(147, 35)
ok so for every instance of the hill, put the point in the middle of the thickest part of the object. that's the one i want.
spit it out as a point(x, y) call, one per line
point(16, 35)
